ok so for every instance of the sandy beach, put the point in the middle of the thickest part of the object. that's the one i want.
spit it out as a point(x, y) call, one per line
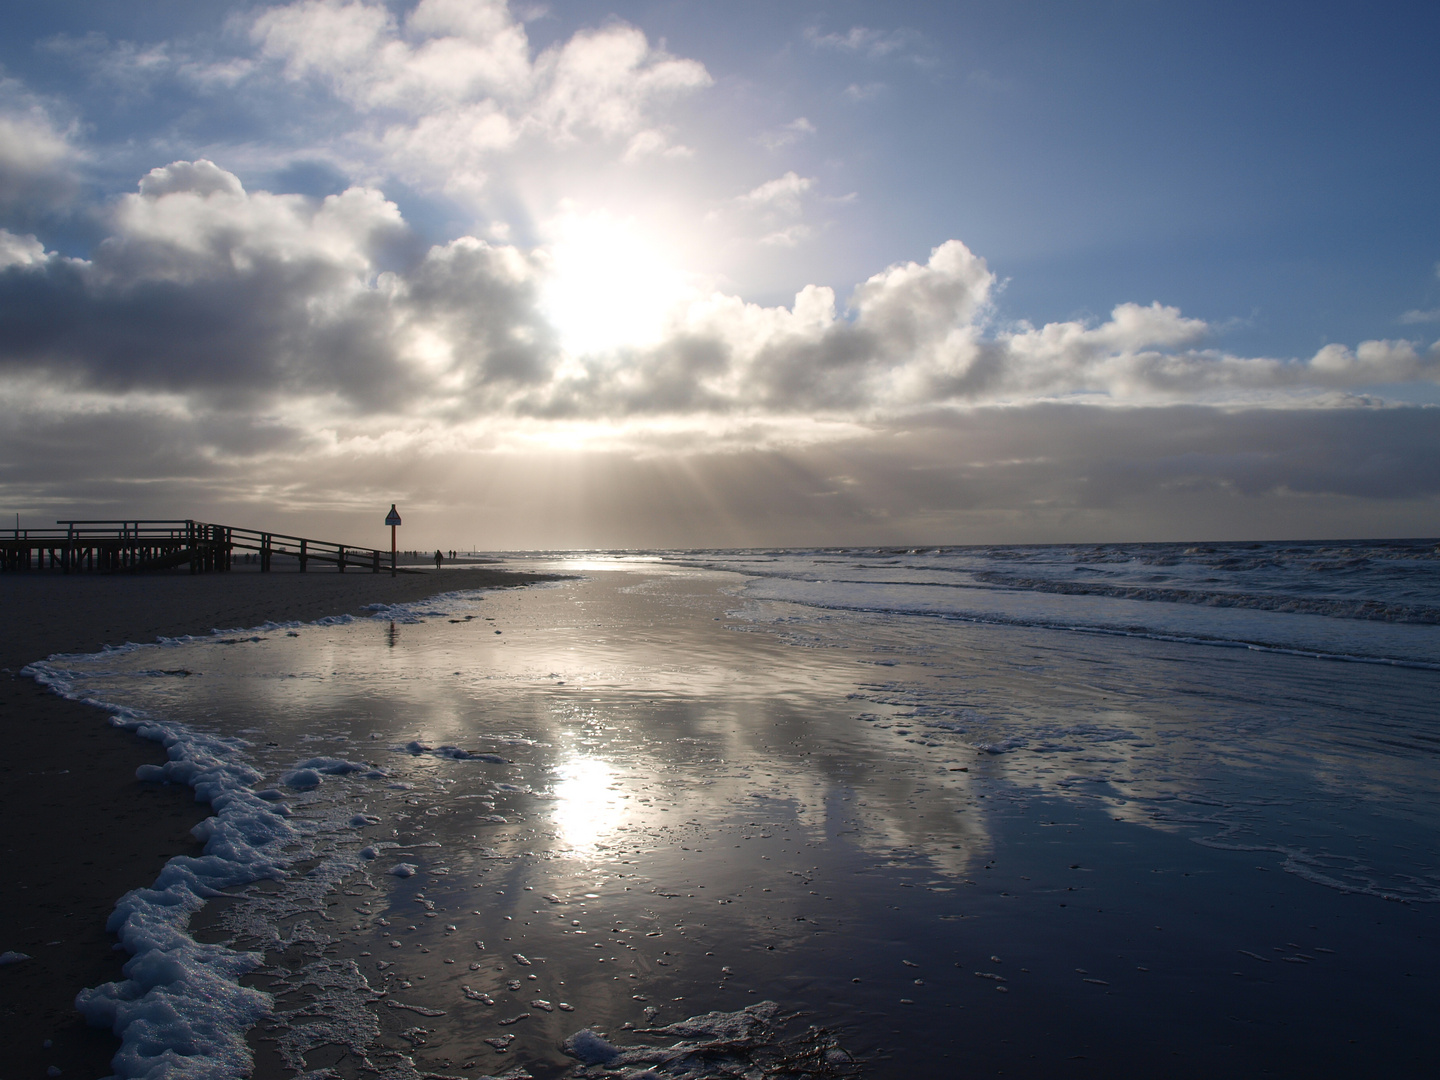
point(80, 830)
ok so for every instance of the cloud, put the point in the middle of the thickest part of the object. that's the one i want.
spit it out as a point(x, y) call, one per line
point(454, 83)
point(462, 51)
point(998, 474)
point(916, 335)
point(783, 193)
point(653, 143)
point(24, 251)
point(605, 81)
point(1414, 317)
point(316, 308)
point(789, 236)
point(202, 288)
point(864, 91)
point(38, 159)
point(451, 149)
point(1069, 463)
point(137, 70)
point(864, 41)
point(218, 335)
point(787, 134)
point(772, 203)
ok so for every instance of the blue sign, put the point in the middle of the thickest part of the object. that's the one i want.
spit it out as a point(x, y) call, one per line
point(392, 518)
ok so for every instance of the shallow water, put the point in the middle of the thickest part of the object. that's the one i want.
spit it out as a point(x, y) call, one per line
point(656, 791)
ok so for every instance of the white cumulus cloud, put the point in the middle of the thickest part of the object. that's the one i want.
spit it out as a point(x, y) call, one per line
point(321, 309)
point(37, 154)
point(19, 250)
point(455, 82)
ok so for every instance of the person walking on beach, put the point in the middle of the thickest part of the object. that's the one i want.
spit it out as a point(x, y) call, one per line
point(438, 558)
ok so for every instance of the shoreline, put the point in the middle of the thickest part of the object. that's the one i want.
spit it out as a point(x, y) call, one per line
point(80, 830)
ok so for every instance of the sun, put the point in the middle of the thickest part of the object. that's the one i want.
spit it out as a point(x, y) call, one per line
point(610, 285)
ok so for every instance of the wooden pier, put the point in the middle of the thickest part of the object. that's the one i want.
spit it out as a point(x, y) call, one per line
point(105, 546)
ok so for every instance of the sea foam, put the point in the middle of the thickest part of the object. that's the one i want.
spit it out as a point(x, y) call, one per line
point(181, 1011)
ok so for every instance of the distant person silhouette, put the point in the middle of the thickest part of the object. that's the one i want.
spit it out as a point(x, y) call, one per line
point(438, 558)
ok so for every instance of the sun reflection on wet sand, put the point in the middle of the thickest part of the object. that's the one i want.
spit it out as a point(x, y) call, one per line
point(588, 806)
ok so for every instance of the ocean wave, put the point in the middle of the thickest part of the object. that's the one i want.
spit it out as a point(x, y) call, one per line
point(1331, 607)
point(1134, 631)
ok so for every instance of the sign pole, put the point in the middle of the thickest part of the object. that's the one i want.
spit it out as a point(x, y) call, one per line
point(392, 519)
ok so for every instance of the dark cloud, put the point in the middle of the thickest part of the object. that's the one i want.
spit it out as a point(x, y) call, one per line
point(1041, 472)
point(482, 302)
point(237, 300)
point(1044, 472)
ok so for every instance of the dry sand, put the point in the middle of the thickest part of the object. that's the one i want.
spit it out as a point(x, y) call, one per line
point(77, 830)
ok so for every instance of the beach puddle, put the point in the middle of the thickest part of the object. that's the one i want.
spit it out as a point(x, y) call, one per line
point(637, 821)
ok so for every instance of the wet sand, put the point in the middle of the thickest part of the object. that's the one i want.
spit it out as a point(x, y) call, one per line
point(716, 816)
point(78, 829)
point(779, 812)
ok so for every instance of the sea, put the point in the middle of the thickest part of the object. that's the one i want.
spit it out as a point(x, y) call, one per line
point(1079, 810)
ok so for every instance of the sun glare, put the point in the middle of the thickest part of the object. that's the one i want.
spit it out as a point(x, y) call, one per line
point(587, 804)
point(610, 285)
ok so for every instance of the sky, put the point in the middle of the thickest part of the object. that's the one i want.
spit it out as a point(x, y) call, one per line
point(685, 274)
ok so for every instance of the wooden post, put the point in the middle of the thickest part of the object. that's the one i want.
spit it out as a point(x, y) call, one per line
point(304, 558)
point(341, 559)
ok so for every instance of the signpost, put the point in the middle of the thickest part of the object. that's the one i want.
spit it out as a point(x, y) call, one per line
point(392, 519)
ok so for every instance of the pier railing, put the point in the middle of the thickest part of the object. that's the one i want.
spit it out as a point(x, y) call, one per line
point(133, 545)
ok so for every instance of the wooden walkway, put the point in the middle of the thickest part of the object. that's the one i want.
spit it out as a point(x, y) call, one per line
point(115, 546)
